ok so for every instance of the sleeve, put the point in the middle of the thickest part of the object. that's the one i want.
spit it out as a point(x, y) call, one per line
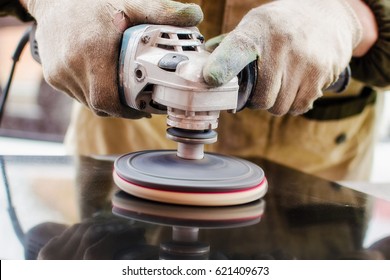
point(14, 8)
point(374, 68)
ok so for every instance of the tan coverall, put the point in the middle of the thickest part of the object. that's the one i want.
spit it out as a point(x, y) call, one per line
point(335, 149)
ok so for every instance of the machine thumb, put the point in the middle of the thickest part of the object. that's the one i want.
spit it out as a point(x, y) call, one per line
point(163, 12)
point(227, 60)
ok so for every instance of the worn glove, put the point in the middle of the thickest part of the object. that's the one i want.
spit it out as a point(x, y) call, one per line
point(301, 47)
point(79, 44)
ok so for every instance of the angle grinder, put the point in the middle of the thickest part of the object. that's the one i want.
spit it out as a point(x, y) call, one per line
point(160, 72)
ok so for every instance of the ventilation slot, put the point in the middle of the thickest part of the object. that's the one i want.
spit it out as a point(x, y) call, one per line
point(166, 47)
point(184, 36)
point(189, 48)
point(165, 35)
point(187, 37)
point(187, 43)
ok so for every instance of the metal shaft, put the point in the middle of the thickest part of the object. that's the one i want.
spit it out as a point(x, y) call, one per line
point(190, 151)
point(190, 143)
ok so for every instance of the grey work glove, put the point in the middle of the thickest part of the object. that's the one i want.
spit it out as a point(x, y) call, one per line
point(79, 44)
point(301, 47)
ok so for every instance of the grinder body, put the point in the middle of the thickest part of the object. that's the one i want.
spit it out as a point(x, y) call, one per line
point(160, 72)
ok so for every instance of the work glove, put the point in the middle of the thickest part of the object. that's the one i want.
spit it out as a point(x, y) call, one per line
point(79, 44)
point(301, 47)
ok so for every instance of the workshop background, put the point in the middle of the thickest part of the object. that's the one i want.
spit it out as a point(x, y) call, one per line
point(36, 119)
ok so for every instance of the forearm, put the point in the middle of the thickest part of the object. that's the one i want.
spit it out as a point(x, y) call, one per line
point(369, 27)
point(372, 66)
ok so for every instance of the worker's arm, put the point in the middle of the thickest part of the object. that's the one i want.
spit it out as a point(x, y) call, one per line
point(301, 47)
point(371, 62)
point(369, 27)
point(79, 44)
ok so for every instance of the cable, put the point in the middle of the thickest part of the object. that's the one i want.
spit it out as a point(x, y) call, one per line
point(11, 210)
point(4, 94)
point(15, 57)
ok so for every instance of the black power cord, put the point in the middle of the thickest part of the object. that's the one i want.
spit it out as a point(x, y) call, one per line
point(4, 94)
point(11, 209)
point(15, 57)
point(34, 239)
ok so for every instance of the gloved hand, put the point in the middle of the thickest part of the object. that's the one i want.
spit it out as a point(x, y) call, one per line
point(79, 43)
point(301, 47)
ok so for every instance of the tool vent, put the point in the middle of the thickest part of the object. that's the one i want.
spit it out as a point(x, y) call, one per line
point(179, 42)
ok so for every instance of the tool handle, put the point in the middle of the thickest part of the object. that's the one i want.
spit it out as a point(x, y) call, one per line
point(342, 82)
point(248, 76)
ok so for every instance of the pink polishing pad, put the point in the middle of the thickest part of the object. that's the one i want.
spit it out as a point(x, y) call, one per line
point(215, 180)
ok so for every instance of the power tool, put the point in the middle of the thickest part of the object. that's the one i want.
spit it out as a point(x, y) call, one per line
point(160, 72)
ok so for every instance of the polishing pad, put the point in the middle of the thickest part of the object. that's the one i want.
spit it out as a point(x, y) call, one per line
point(215, 180)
